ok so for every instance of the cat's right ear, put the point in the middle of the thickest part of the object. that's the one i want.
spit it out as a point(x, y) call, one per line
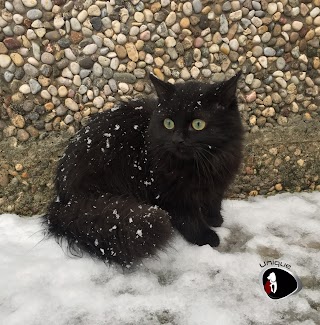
point(163, 89)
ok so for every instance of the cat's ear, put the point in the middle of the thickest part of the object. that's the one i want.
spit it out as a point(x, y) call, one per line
point(163, 89)
point(227, 90)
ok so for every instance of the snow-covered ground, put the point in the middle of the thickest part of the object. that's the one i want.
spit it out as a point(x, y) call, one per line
point(186, 285)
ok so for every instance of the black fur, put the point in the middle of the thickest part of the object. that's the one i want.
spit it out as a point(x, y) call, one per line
point(125, 179)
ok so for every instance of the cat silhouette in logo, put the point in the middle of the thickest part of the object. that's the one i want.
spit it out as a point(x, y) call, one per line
point(271, 285)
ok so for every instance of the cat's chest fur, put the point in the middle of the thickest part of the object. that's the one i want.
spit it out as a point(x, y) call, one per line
point(179, 187)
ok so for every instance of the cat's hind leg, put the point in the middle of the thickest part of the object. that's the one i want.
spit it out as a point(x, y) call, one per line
point(113, 228)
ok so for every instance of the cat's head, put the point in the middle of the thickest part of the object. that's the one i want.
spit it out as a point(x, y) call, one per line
point(193, 118)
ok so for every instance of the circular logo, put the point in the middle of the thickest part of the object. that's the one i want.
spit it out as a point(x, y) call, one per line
point(278, 282)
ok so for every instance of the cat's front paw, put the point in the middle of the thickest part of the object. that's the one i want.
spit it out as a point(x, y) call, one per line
point(208, 237)
point(215, 221)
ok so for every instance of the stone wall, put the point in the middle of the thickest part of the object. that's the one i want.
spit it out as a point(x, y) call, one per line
point(61, 62)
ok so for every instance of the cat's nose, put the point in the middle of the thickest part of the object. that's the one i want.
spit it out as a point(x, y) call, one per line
point(177, 138)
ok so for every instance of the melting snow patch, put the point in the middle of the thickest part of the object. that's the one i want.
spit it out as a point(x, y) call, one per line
point(183, 285)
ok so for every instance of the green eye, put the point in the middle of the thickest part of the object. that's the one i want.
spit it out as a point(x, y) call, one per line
point(168, 124)
point(198, 124)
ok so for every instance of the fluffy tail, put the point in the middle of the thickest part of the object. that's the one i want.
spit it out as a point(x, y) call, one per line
point(115, 229)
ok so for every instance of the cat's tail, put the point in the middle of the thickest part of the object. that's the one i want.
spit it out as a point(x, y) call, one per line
point(113, 228)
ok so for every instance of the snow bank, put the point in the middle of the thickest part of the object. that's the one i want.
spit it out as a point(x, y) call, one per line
point(186, 285)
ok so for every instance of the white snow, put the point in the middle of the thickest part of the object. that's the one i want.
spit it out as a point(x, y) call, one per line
point(139, 233)
point(185, 285)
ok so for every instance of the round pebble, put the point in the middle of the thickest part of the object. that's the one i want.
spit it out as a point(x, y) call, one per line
point(75, 24)
point(90, 49)
point(8, 76)
point(94, 10)
point(297, 25)
point(197, 6)
point(269, 51)
point(58, 22)
point(234, 45)
point(71, 104)
point(121, 39)
point(34, 14)
point(25, 89)
point(47, 4)
point(18, 19)
point(5, 60)
point(98, 102)
point(62, 91)
point(17, 59)
point(171, 19)
point(123, 87)
point(35, 87)
point(280, 63)
point(29, 3)
point(18, 121)
point(139, 17)
point(187, 8)
point(272, 8)
point(47, 58)
point(22, 135)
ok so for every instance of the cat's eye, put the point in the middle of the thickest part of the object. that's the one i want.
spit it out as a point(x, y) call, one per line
point(198, 124)
point(168, 124)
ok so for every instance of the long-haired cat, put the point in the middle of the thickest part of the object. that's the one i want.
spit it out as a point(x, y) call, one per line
point(149, 166)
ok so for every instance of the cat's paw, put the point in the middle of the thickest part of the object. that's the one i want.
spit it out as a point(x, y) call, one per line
point(209, 237)
point(215, 221)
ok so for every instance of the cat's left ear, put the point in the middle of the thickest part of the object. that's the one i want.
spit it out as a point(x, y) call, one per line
point(227, 90)
point(163, 89)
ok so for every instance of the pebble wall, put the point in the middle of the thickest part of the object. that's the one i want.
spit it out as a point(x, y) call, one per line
point(62, 61)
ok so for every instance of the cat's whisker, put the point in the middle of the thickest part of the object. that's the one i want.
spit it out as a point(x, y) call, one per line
point(197, 164)
point(204, 167)
point(224, 165)
point(207, 165)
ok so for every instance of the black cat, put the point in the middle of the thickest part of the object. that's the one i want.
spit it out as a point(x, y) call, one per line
point(137, 170)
